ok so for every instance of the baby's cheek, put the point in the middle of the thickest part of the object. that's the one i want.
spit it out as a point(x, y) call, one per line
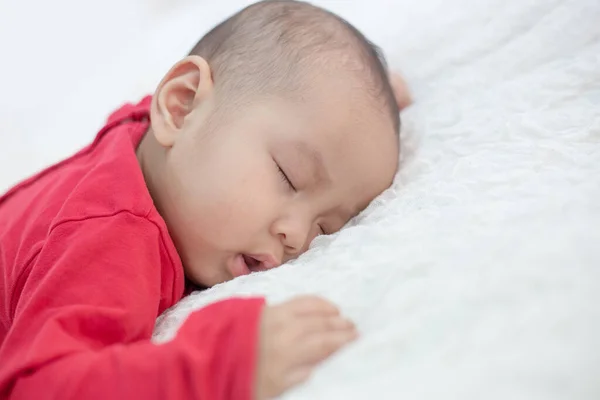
point(244, 213)
point(222, 218)
point(235, 197)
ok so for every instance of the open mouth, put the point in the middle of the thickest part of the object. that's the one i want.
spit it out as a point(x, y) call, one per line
point(252, 263)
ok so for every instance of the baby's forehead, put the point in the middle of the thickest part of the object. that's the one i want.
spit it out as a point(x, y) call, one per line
point(334, 117)
point(342, 102)
point(270, 46)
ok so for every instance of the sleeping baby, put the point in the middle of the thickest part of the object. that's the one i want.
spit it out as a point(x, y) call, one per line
point(280, 125)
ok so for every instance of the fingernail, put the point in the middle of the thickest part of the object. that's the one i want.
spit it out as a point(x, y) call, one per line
point(343, 323)
point(351, 324)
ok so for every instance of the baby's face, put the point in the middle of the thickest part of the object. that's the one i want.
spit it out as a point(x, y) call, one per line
point(250, 190)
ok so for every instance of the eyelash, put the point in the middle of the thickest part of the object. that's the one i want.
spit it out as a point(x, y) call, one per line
point(285, 178)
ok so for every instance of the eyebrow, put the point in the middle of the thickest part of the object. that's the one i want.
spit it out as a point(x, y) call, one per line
point(307, 152)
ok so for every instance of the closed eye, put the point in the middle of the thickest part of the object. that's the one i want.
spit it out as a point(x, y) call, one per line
point(322, 230)
point(285, 178)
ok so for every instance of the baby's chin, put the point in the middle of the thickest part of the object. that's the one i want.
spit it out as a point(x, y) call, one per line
point(202, 281)
point(206, 273)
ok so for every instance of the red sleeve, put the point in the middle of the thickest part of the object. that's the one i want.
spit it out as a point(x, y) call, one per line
point(82, 325)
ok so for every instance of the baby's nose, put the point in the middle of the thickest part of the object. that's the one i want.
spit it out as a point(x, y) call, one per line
point(297, 243)
point(295, 254)
point(295, 238)
point(293, 231)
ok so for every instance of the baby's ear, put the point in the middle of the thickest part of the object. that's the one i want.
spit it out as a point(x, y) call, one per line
point(184, 87)
point(400, 91)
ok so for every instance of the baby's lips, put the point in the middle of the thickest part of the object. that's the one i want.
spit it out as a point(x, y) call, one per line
point(267, 261)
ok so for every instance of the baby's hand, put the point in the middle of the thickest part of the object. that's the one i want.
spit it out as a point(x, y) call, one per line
point(295, 336)
point(401, 91)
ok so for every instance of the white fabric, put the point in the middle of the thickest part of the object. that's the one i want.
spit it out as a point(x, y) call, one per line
point(478, 274)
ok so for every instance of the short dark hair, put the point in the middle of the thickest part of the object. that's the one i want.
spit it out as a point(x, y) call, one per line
point(268, 45)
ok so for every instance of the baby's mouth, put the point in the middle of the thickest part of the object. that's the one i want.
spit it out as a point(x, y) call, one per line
point(252, 263)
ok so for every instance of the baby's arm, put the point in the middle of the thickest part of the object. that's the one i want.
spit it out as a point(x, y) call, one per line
point(82, 325)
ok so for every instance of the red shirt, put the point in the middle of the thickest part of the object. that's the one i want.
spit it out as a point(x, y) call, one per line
point(86, 266)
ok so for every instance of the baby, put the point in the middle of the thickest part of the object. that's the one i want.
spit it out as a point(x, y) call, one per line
point(280, 125)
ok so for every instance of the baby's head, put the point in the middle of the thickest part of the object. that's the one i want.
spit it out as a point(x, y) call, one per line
point(280, 126)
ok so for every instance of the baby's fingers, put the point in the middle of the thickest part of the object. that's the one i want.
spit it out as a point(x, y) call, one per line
point(307, 305)
point(319, 324)
point(298, 376)
point(318, 347)
point(401, 92)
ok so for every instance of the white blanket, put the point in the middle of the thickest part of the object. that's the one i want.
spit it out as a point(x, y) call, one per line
point(478, 274)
